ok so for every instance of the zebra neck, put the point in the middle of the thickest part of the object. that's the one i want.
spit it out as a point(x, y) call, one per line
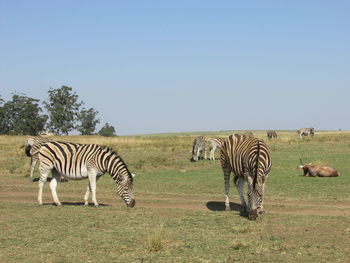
point(116, 167)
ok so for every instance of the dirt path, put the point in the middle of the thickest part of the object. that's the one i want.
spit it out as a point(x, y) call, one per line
point(192, 203)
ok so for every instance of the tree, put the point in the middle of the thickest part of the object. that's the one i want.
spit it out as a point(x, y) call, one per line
point(2, 117)
point(63, 108)
point(21, 115)
point(107, 130)
point(88, 121)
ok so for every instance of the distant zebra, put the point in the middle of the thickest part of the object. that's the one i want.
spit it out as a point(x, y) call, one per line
point(306, 132)
point(81, 161)
point(198, 148)
point(249, 159)
point(34, 142)
point(271, 134)
point(214, 143)
point(249, 134)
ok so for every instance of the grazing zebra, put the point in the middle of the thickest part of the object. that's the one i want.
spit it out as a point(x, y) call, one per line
point(249, 160)
point(81, 161)
point(271, 134)
point(34, 142)
point(214, 143)
point(249, 134)
point(198, 148)
point(306, 132)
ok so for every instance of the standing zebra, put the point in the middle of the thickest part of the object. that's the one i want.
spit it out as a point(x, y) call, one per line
point(214, 143)
point(81, 161)
point(271, 134)
point(198, 148)
point(249, 160)
point(306, 132)
point(34, 142)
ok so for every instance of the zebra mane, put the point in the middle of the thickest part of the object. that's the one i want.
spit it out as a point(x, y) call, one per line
point(112, 152)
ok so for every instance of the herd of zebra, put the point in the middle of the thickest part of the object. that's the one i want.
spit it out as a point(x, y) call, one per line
point(247, 157)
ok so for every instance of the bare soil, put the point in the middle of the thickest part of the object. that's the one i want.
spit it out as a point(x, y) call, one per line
point(162, 202)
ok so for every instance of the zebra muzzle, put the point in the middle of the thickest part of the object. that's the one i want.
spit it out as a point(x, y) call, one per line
point(132, 203)
point(253, 214)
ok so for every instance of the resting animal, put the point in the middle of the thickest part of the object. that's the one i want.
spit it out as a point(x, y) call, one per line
point(319, 171)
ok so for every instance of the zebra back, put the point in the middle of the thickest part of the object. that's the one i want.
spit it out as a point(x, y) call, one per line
point(218, 141)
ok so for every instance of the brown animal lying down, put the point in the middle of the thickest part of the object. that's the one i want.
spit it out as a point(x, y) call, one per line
point(319, 171)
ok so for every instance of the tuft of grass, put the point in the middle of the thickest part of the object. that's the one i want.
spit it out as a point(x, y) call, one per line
point(156, 240)
point(238, 245)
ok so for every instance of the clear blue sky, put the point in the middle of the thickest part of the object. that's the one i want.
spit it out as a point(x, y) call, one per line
point(168, 66)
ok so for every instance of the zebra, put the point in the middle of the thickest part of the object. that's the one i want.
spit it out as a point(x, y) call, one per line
point(214, 143)
point(271, 134)
point(249, 134)
point(198, 148)
point(250, 160)
point(81, 161)
point(34, 142)
point(306, 132)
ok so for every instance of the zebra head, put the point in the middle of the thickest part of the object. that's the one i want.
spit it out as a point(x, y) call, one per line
point(255, 196)
point(125, 189)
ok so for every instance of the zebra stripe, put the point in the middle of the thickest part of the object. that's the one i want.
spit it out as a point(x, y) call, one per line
point(33, 144)
point(198, 148)
point(214, 143)
point(81, 161)
point(249, 160)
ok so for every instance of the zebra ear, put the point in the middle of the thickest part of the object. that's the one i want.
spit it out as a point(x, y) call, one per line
point(133, 175)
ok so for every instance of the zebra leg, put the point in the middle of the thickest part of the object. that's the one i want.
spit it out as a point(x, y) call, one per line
point(261, 209)
point(211, 155)
point(240, 186)
point(92, 182)
point(227, 173)
point(32, 166)
point(43, 177)
point(53, 185)
point(88, 191)
point(87, 194)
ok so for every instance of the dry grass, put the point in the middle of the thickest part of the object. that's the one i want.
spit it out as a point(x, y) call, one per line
point(171, 221)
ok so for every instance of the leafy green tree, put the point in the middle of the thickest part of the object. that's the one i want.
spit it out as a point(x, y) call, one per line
point(21, 115)
point(107, 130)
point(88, 121)
point(2, 117)
point(63, 108)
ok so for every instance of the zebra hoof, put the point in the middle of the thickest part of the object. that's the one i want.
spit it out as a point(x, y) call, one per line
point(96, 205)
point(58, 204)
point(86, 204)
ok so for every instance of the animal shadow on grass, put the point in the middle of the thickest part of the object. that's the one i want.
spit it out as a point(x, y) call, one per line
point(75, 204)
point(49, 180)
point(220, 206)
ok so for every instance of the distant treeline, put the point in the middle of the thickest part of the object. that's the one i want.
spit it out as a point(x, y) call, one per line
point(64, 113)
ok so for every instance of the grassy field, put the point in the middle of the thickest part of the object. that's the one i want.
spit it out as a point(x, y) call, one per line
point(179, 214)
